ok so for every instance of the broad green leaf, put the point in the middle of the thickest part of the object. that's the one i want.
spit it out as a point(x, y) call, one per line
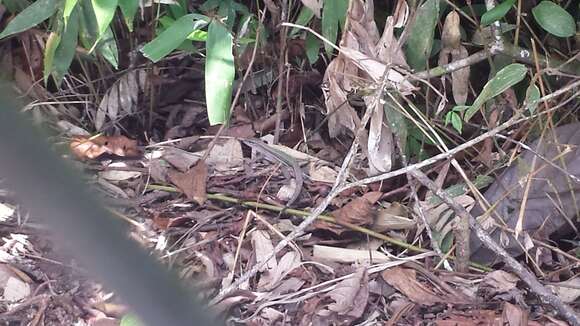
point(532, 97)
point(66, 49)
point(303, 19)
point(129, 9)
point(497, 13)
point(172, 37)
point(420, 41)
point(49, 51)
point(227, 11)
point(504, 79)
point(333, 15)
point(15, 6)
point(69, 5)
point(33, 15)
point(456, 121)
point(177, 10)
point(312, 45)
point(107, 47)
point(209, 5)
point(104, 12)
point(554, 19)
point(88, 32)
point(219, 73)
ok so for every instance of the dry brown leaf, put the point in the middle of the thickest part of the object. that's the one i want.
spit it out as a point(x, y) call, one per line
point(404, 281)
point(358, 211)
point(263, 247)
point(192, 183)
point(380, 140)
point(394, 217)
point(460, 77)
point(341, 115)
point(92, 147)
point(451, 34)
point(122, 96)
point(350, 296)
point(123, 173)
point(498, 282)
point(568, 291)
point(401, 13)
point(514, 315)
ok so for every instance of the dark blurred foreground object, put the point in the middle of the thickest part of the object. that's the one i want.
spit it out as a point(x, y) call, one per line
point(55, 194)
point(553, 198)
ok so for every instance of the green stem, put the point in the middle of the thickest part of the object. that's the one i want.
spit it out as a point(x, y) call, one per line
point(326, 218)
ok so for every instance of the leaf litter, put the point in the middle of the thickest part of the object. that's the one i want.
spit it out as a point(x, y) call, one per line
point(194, 213)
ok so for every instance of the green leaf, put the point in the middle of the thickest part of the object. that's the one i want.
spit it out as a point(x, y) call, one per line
point(69, 5)
point(497, 13)
point(312, 45)
point(129, 9)
point(177, 10)
point(333, 15)
point(532, 97)
point(33, 15)
point(104, 12)
point(107, 47)
point(456, 121)
point(66, 49)
point(420, 41)
point(554, 19)
point(304, 18)
point(172, 37)
point(504, 79)
point(219, 73)
point(88, 24)
point(49, 51)
point(198, 35)
point(15, 6)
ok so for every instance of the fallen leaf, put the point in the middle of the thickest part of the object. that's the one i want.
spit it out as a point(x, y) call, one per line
point(226, 157)
point(263, 247)
point(287, 263)
point(350, 296)
point(358, 211)
point(568, 291)
point(514, 315)
point(92, 147)
point(14, 288)
point(498, 282)
point(192, 183)
point(118, 175)
point(393, 217)
point(404, 281)
point(348, 256)
point(182, 160)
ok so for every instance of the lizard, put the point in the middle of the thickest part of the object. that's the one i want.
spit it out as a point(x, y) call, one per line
point(277, 155)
